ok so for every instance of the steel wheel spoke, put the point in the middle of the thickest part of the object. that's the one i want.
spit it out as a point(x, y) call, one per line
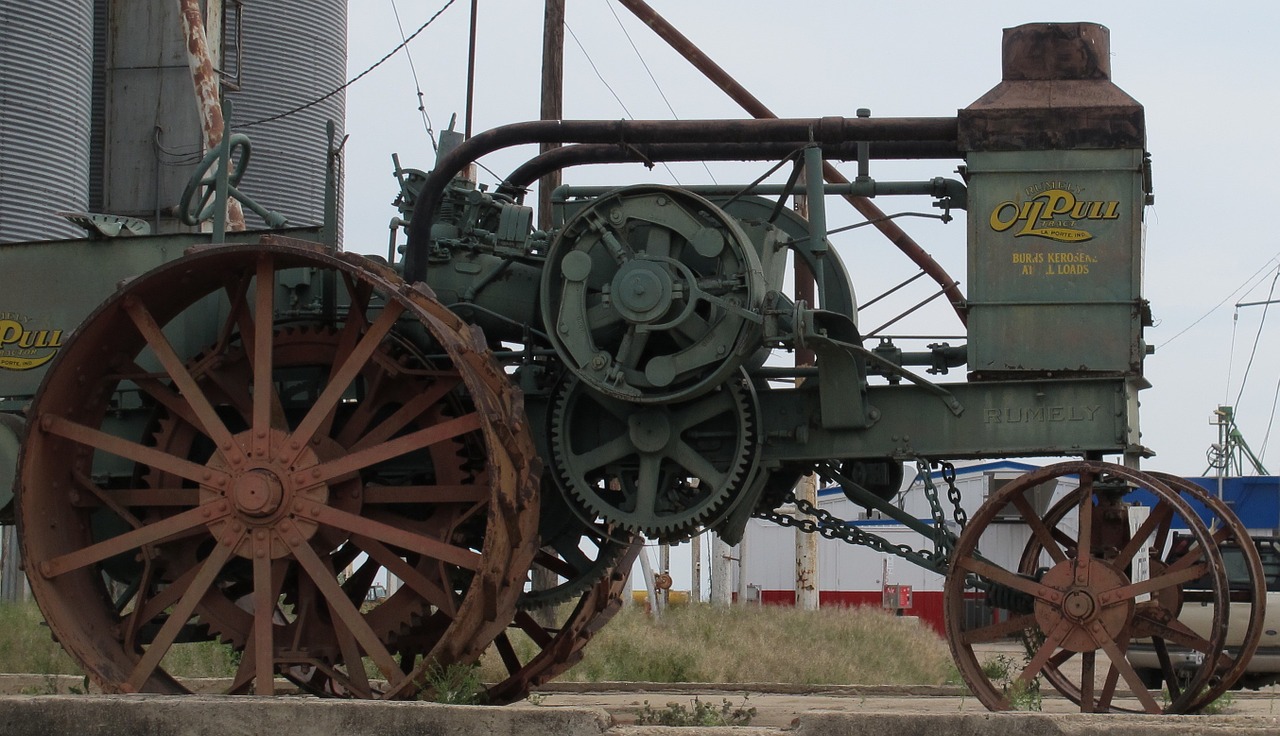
point(1121, 664)
point(647, 483)
point(149, 534)
point(395, 537)
point(1084, 532)
point(610, 452)
point(1151, 585)
point(403, 445)
point(1046, 650)
point(999, 630)
point(181, 612)
point(264, 608)
point(264, 398)
point(536, 631)
point(129, 450)
point(1010, 579)
point(1159, 518)
point(1038, 528)
point(210, 422)
point(356, 433)
point(705, 409)
point(344, 610)
point(342, 377)
point(698, 466)
point(1088, 664)
point(1166, 666)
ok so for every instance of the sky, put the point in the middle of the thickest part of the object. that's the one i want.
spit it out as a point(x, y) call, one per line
point(1203, 76)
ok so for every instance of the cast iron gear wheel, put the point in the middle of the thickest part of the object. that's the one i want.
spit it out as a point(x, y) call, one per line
point(291, 470)
point(666, 470)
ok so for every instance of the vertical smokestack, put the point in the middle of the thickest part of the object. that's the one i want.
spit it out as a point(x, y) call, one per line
point(1056, 93)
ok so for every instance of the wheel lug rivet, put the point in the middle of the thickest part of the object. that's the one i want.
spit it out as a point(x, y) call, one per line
point(315, 472)
point(45, 569)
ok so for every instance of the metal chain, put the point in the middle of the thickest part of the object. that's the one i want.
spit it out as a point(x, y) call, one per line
point(830, 526)
point(953, 495)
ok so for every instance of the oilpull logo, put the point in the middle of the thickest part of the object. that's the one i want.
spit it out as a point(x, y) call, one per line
point(22, 349)
point(1052, 211)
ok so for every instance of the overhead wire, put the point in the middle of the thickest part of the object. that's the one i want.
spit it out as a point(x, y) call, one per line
point(607, 86)
point(652, 78)
point(422, 105)
point(354, 79)
point(1227, 298)
point(1257, 338)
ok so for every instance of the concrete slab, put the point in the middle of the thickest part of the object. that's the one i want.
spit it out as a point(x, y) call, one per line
point(201, 715)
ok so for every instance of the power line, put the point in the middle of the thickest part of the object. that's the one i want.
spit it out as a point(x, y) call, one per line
point(1244, 379)
point(1225, 299)
point(622, 104)
point(652, 78)
point(422, 105)
point(354, 79)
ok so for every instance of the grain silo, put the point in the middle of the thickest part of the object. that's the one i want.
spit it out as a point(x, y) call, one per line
point(46, 53)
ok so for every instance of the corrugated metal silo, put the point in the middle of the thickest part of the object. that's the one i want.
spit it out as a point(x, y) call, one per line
point(46, 55)
point(293, 54)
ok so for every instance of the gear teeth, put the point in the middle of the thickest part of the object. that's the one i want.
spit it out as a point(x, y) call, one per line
point(740, 469)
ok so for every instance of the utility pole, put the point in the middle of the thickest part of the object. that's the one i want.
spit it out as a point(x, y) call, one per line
point(552, 105)
point(552, 98)
point(806, 489)
point(721, 554)
point(695, 583)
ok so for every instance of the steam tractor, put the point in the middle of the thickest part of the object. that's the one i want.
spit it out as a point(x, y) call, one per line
point(252, 431)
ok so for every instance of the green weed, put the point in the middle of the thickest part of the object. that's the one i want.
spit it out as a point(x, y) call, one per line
point(697, 714)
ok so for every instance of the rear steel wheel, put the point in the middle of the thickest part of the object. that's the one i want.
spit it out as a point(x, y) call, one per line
point(281, 456)
point(1081, 594)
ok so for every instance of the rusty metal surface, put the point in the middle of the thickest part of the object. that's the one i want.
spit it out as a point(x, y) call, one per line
point(599, 153)
point(205, 80)
point(276, 503)
point(1085, 608)
point(1056, 94)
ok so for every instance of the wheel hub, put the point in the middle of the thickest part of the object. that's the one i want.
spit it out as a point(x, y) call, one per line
point(642, 291)
point(262, 494)
point(1080, 605)
point(257, 493)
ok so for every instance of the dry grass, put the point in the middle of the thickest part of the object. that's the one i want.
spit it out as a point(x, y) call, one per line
point(698, 643)
point(27, 646)
point(693, 643)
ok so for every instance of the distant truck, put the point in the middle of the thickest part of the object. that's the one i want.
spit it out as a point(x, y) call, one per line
point(1264, 668)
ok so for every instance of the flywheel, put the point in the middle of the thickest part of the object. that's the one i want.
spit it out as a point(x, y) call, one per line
point(653, 294)
point(241, 443)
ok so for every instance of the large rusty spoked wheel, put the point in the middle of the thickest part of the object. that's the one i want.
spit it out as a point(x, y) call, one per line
point(239, 444)
point(1083, 597)
point(1156, 626)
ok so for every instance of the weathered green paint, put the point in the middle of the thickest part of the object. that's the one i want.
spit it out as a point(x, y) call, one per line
point(1055, 263)
point(52, 286)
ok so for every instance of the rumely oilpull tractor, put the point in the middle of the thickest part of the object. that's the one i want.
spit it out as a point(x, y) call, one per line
point(247, 435)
